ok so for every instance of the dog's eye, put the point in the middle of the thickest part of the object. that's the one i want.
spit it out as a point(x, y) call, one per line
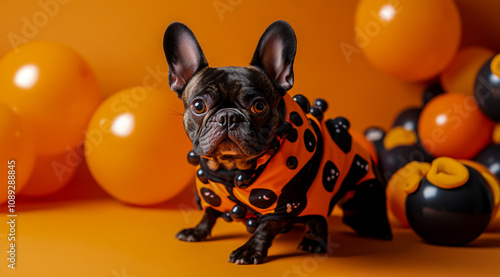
point(258, 107)
point(198, 107)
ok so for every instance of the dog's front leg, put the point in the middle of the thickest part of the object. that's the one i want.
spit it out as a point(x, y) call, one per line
point(255, 249)
point(203, 229)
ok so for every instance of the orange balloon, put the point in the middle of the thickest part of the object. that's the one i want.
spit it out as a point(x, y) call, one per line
point(452, 125)
point(54, 91)
point(17, 152)
point(410, 40)
point(53, 172)
point(496, 134)
point(136, 146)
point(400, 185)
point(460, 74)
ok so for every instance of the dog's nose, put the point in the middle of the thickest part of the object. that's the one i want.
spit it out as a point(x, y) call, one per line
point(229, 118)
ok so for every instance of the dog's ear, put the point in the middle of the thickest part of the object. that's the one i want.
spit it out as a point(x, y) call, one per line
point(275, 54)
point(184, 56)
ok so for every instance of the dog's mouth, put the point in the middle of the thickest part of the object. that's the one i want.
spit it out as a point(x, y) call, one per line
point(229, 155)
point(228, 150)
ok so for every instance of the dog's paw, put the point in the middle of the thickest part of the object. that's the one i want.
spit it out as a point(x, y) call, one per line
point(313, 246)
point(191, 235)
point(246, 254)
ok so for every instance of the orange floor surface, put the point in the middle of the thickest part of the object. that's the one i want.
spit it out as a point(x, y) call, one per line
point(81, 231)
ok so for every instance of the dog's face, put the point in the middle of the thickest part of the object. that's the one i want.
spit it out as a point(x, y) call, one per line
point(231, 114)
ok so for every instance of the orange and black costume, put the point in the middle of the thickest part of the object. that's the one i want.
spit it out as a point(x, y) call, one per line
point(314, 167)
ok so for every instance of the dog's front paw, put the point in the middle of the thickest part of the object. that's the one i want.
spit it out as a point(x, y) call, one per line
point(192, 235)
point(313, 246)
point(246, 254)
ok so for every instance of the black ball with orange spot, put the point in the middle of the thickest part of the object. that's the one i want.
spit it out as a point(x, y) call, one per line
point(452, 204)
point(490, 157)
point(401, 147)
point(408, 119)
point(487, 88)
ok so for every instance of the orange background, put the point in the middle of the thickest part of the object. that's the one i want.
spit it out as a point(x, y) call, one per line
point(120, 39)
point(81, 231)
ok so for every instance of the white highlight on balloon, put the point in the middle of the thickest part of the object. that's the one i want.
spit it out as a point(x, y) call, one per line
point(430, 192)
point(441, 119)
point(494, 79)
point(387, 12)
point(495, 168)
point(374, 135)
point(123, 125)
point(26, 76)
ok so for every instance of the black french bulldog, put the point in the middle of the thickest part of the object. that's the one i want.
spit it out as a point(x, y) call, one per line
point(264, 158)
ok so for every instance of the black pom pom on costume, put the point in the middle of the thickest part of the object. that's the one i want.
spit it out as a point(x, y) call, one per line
point(303, 102)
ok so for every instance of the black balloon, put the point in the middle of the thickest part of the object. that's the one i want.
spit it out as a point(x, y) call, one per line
point(431, 92)
point(392, 160)
point(450, 216)
point(408, 119)
point(376, 136)
point(487, 92)
point(490, 157)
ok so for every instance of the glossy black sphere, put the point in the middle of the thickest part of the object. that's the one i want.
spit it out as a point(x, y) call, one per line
point(490, 157)
point(227, 217)
point(193, 158)
point(408, 119)
point(376, 136)
point(251, 224)
point(303, 102)
point(201, 176)
point(432, 91)
point(487, 92)
point(321, 104)
point(238, 212)
point(243, 179)
point(392, 160)
point(316, 112)
point(450, 216)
